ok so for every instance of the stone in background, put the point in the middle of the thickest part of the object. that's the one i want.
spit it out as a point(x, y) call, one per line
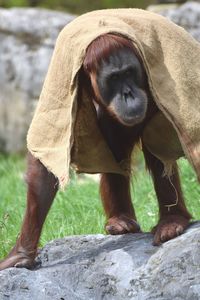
point(27, 39)
point(187, 16)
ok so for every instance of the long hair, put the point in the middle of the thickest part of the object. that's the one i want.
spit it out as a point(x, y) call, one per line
point(102, 47)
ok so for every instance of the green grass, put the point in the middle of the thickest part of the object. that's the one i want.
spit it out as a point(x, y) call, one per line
point(78, 210)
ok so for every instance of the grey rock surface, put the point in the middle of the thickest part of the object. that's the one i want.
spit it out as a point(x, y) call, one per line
point(187, 16)
point(110, 267)
point(27, 38)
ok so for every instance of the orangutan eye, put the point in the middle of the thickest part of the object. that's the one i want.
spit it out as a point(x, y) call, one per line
point(130, 72)
point(114, 76)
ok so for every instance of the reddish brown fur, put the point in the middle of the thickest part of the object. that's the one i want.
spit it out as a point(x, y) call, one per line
point(42, 187)
point(114, 189)
point(101, 48)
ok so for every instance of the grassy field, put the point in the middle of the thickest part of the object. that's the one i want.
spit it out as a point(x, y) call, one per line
point(78, 210)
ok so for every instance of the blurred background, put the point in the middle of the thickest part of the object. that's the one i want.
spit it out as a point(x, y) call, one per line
point(81, 6)
point(28, 30)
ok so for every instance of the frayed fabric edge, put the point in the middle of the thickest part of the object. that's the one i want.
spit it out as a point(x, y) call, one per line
point(168, 168)
point(63, 180)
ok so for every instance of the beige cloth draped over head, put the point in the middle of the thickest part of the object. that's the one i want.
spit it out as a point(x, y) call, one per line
point(65, 117)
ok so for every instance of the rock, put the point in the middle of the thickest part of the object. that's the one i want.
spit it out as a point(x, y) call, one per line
point(110, 267)
point(27, 38)
point(187, 16)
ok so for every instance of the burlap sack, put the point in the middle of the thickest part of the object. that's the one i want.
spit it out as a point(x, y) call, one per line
point(172, 61)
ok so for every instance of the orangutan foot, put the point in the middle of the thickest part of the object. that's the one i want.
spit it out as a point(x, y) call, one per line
point(121, 225)
point(168, 228)
point(19, 259)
